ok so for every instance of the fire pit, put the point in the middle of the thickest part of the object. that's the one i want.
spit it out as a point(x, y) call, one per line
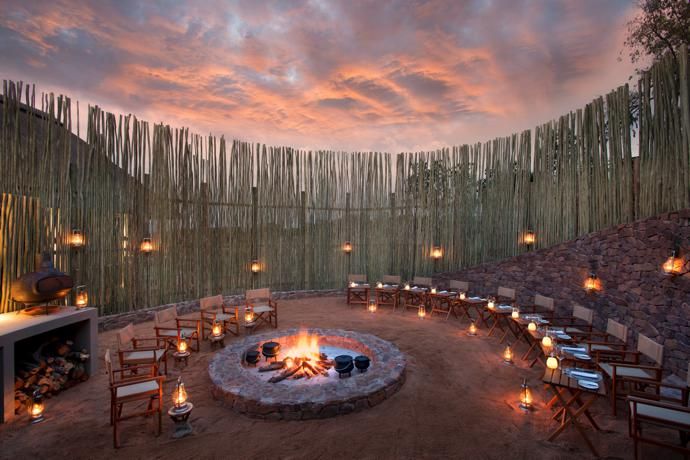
point(308, 377)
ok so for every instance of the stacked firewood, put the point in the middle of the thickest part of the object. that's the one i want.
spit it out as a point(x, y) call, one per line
point(297, 368)
point(54, 366)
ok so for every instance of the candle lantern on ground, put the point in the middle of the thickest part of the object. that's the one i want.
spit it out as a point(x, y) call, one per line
point(37, 407)
point(525, 396)
point(472, 329)
point(217, 329)
point(508, 355)
point(248, 315)
point(421, 312)
point(180, 411)
point(76, 238)
point(81, 299)
point(182, 344)
point(372, 306)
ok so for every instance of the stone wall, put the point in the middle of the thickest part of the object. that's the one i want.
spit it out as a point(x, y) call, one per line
point(106, 323)
point(627, 259)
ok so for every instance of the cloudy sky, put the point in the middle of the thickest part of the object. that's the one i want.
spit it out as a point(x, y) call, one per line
point(386, 75)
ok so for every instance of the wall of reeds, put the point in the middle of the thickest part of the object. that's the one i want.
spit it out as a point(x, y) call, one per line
point(212, 206)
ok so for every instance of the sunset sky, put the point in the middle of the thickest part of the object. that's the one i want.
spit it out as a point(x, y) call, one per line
point(348, 75)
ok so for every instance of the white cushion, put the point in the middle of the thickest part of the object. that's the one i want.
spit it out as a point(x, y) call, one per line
point(137, 388)
point(595, 347)
point(142, 356)
point(262, 308)
point(663, 413)
point(624, 371)
point(173, 332)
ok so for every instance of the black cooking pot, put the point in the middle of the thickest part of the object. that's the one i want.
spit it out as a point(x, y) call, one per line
point(270, 349)
point(343, 365)
point(362, 363)
point(252, 356)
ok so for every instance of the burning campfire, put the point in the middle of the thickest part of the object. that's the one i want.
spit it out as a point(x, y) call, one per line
point(303, 360)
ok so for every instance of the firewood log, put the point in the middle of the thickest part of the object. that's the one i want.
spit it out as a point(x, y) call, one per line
point(272, 367)
point(285, 374)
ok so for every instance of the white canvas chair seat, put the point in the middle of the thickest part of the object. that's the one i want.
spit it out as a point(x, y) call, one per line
point(599, 347)
point(575, 330)
point(663, 413)
point(262, 308)
point(623, 371)
point(142, 356)
point(137, 388)
point(173, 332)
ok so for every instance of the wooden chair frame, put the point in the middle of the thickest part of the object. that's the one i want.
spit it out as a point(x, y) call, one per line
point(357, 295)
point(213, 309)
point(265, 309)
point(415, 298)
point(189, 326)
point(579, 323)
point(128, 343)
point(458, 286)
point(387, 297)
point(152, 394)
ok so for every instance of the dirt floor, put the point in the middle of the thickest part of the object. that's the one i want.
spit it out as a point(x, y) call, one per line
point(459, 401)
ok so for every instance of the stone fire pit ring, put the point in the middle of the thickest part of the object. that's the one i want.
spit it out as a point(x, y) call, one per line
point(244, 392)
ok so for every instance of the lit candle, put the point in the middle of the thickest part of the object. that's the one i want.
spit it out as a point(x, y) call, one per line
point(525, 396)
point(473, 329)
point(407, 286)
point(433, 290)
point(372, 306)
point(353, 284)
point(180, 395)
point(508, 355)
point(532, 326)
point(379, 284)
point(546, 341)
point(491, 304)
point(552, 362)
point(421, 312)
point(463, 296)
point(146, 246)
point(216, 329)
point(515, 314)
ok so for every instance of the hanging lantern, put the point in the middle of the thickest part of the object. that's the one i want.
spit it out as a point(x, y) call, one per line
point(182, 345)
point(347, 247)
point(674, 264)
point(146, 246)
point(532, 326)
point(37, 407)
point(508, 355)
point(552, 362)
point(82, 297)
point(217, 329)
point(529, 238)
point(76, 238)
point(372, 306)
point(179, 396)
point(407, 286)
point(255, 266)
point(379, 284)
point(515, 314)
point(592, 283)
point(421, 312)
point(473, 329)
point(436, 252)
point(525, 396)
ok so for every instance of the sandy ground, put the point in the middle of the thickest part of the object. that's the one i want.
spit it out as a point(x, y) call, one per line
point(459, 401)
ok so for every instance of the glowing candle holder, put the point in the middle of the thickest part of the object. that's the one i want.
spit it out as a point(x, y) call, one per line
point(407, 286)
point(372, 306)
point(546, 342)
point(508, 355)
point(532, 326)
point(462, 296)
point(37, 407)
point(421, 312)
point(491, 304)
point(347, 247)
point(81, 299)
point(552, 362)
point(592, 283)
point(76, 238)
point(146, 246)
point(515, 314)
point(529, 238)
point(217, 329)
point(472, 329)
point(525, 396)
point(433, 290)
point(255, 266)
point(353, 284)
point(436, 252)
point(379, 284)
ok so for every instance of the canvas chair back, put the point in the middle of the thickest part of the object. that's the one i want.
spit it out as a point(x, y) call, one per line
point(356, 278)
point(544, 302)
point(463, 286)
point(421, 281)
point(391, 279)
point(164, 316)
point(506, 292)
point(255, 294)
point(617, 330)
point(585, 314)
point(211, 303)
point(650, 348)
point(125, 336)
